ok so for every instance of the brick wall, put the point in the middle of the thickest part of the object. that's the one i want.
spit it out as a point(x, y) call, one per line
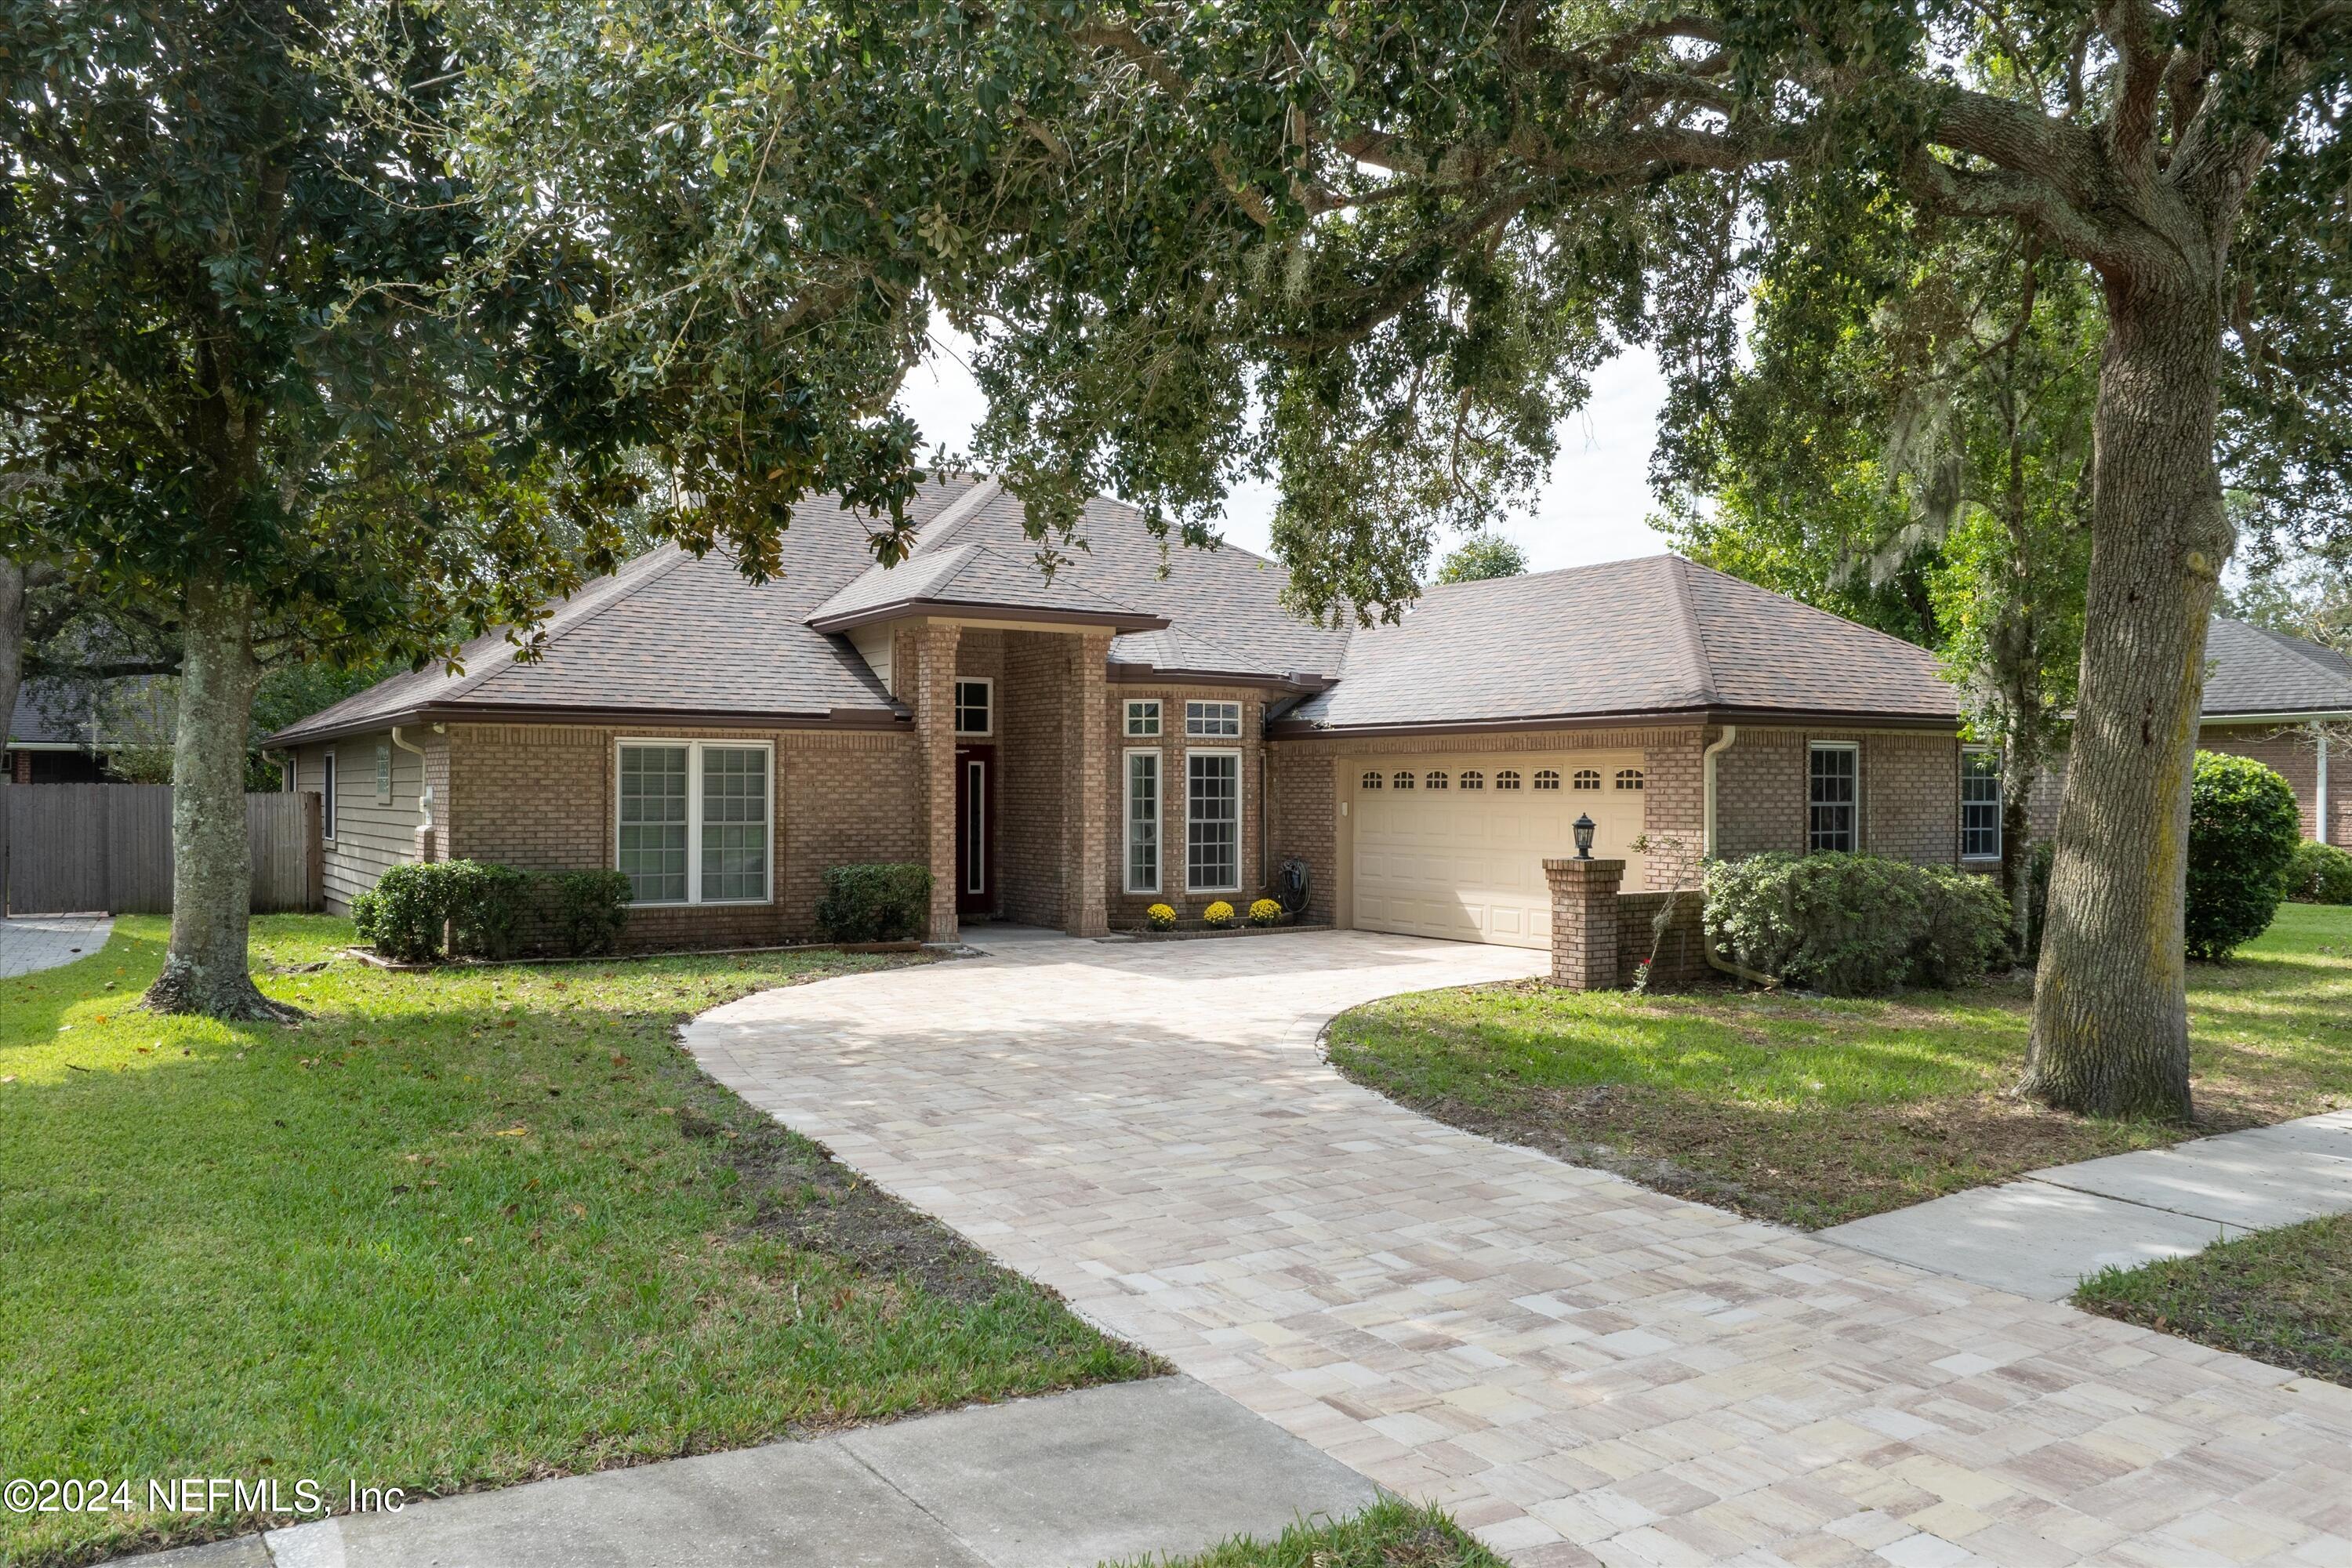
point(1302, 821)
point(2294, 754)
point(1673, 806)
point(540, 797)
point(1124, 909)
point(1910, 792)
point(1029, 804)
point(1681, 953)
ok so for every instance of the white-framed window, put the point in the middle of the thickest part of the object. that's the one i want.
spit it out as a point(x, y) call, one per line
point(1212, 822)
point(1586, 778)
point(975, 705)
point(1507, 778)
point(293, 773)
point(1473, 778)
point(1546, 779)
point(1979, 803)
point(1436, 779)
point(1142, 810)
point(1832, 795)
point(383, 772)
point(1629, 778)
point(693, 821)
point(1143, 717)
point(1371, 779)
point(1213, 719)
point(327, 796)
point(1402, 781)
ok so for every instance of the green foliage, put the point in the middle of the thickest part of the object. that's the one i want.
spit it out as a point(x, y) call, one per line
point(2244, 828)
point(488, 906)
point(1392, 1533)
point(591, 909)
point(2308, 597)
point(407, 910)
point(2319, 874)
point(1483, 556)
point(883, 901)
point(1855, 925)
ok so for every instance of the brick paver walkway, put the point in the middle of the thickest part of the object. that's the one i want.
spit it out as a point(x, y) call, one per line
point(1583, 1370)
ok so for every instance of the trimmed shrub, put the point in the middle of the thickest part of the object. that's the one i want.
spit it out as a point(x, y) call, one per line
point(880, 901)
point(406, 912)
point(1266, 912)
point(1855, 925)
point(363, 917)
point(2244, 828)
point(592, 909)
point(2319, 874)
point(488, 904)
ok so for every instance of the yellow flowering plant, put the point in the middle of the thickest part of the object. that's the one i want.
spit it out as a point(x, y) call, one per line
point(1266, 912)
point(1220, 913)
point(1162, 917)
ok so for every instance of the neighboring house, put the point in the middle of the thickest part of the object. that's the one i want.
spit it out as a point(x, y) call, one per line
point(1067, 750)
point(2282, 701)
point(47, 745)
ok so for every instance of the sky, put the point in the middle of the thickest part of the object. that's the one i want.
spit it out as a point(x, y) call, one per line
point(1594, 508)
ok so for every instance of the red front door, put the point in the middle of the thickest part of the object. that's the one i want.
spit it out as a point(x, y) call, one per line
point(975, 830)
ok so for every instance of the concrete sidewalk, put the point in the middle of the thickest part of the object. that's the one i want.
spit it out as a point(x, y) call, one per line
point(1069, 1480)
point(30, 943)
point(2041, 1234)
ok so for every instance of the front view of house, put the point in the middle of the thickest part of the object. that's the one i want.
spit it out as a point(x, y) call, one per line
point(1139, 729)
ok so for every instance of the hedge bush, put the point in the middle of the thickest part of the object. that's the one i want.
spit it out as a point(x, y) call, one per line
point(405, 912)
point(592, 909)
point(2319, 874)
point(1855, 925)
point(878, 901)
point(2244, 828)
point(488, 905)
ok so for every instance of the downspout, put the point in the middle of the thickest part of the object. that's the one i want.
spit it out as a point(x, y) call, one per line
point(2321, 726)
point(424, 833)
point(1710, 846)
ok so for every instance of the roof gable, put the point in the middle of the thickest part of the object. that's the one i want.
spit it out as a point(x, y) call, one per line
point(2253, 669)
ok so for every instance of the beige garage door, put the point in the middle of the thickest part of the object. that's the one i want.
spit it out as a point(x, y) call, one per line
point(1454, 846)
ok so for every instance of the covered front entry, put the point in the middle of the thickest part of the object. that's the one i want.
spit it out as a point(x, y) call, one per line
point(1454, 846)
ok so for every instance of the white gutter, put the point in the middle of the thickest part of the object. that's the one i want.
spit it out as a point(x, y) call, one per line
point(424, 789)
point(1707, 847)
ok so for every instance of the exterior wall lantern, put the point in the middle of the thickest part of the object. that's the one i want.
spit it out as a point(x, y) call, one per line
point(1583, 830)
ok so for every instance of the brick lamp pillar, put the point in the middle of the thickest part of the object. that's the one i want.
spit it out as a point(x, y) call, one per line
point(1584, 922)
point(1085, 761)
point(934, 703)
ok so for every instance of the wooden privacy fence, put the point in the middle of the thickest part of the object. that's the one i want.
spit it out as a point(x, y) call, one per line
point(108, 846)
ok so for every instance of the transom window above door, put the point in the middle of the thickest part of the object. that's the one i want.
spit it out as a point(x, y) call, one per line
point(1143, 717)
point(975, 705)
point(1213, 719)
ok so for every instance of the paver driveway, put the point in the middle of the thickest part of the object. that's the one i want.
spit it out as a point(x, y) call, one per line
point(1583, 1369)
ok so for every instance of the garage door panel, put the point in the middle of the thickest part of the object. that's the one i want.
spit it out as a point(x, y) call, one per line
point(1469, 864)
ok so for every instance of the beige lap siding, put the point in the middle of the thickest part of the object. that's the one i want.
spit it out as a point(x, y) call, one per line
point(1127, 909)
point(369, 836)
point(542, 797)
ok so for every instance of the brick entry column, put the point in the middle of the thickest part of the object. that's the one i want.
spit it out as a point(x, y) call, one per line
point(934, 703)
point(1584, 922)
point(1086, 829)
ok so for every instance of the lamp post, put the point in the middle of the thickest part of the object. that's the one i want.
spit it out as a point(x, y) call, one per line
point(1583, 830)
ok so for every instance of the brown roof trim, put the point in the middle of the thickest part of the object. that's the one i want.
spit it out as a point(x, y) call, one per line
point(2274, 715)
point(1298, 729)
point(545, 713)
point(974, 609)
point(1136, 674)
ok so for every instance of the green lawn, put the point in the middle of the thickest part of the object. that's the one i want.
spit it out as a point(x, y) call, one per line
point(457, 1229)
point(1812, 1111)
point(2282, 1295)
point(1389, 1534)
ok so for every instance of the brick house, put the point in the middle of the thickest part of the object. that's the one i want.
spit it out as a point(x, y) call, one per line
point(2285, 702)
point(1139, 727)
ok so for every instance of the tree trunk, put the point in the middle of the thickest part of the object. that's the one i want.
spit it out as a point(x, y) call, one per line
point(2021, 773)
point(205, 971)
point(2110, 1002)
point(12, 636)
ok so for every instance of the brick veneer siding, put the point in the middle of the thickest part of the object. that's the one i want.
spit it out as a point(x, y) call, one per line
point(2294, 754)
point(540, 797)
point(1681, 954)
point(1301, 821)
point(1584, 922)
point(928, 657)
point(1910, 792)
point(1125, 910)
point(1086, 764)
point(1029, 809)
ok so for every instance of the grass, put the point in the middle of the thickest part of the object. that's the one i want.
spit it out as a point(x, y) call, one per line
point(2282, 1295)
point(457, 1229)
point(1812, 1111)
point(1389, 1534)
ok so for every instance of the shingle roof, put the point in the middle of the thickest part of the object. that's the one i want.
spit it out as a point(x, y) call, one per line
point(1657, 635)
point(667, 633)
point(966, 575)
point(2254, 670)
